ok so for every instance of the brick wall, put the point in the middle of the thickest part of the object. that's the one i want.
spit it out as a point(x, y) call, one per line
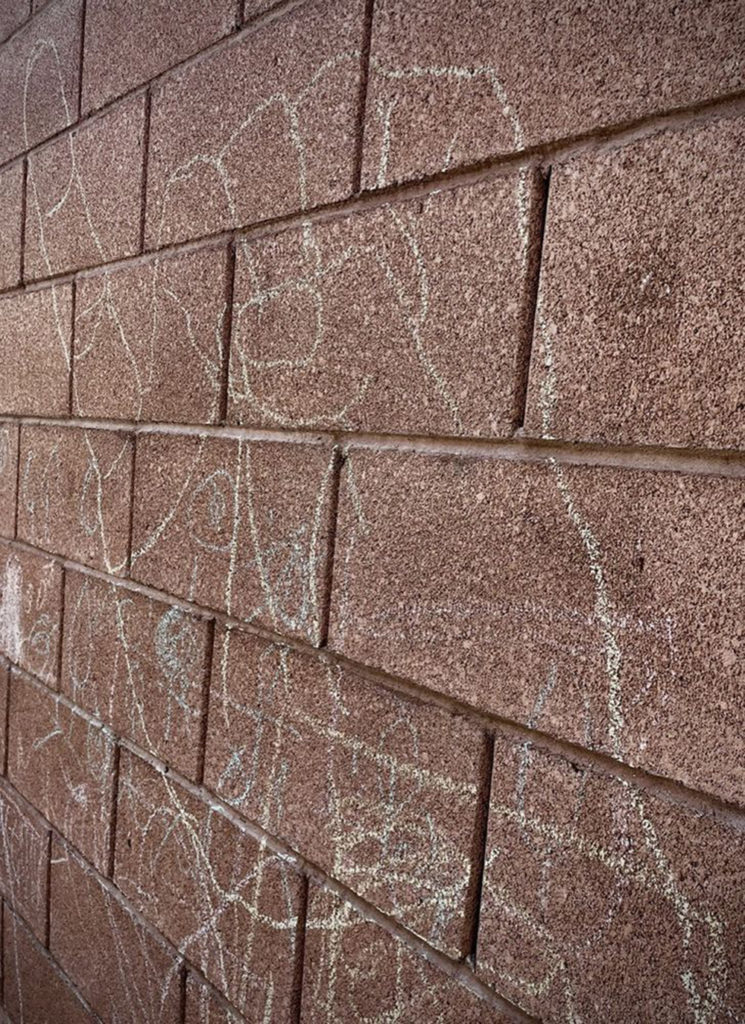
point(371, 506)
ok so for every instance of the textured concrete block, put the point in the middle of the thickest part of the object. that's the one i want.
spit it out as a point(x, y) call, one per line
point(235, 525)
point(522, 589)
point(39, 70)
point(30, 611)
point(63, 765)
point(149, 341)
point(356, 971)
point(83, 199)
point(34, 987)
point(456, 82)
point(412, 318)
point(368, 785)
point(262, 128)
point(8, 477)
point(12, 15)
point(24, 861)
point(127, 43)
point(35, 337)
point(139, 665)
point(11, 220)
point(75, 493)
point(230, 906)
point(641, 295)
point(123, 971)
point(604, 902)
point(205, 1006)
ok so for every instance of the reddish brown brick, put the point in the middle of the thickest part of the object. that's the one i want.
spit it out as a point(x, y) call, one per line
point(355, 971)
point(205, 1006)
point(121, 968)
point(229, 905)
point(410, 318)
point(35, 335)
point(12, 15)
point(8, 477)
point(606, 902)
point(83, 198)
point(128, 42)
point(63, 764)
point(456, 82)
point(138, 664)
point(641, 295)
point(379, 791)
point(34, 988)
point(4, 684)
point(11, 218)
point(75, 493)
point(235, 525)
point(262, 128)
point(39, 78)
point(30, 611)
point(522, 589)
point(149, 341)
point(24, 860)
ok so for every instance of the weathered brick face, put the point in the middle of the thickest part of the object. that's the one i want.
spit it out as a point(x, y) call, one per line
point(372, 512)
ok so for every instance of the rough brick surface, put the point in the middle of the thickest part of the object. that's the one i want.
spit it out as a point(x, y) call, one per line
point(39, 70)
point(30, 611)
point(642, 268)
point(123, 971)
point(599, 607)
point(456, 82)
point(34, 988)
point(24, 861)
point(236, 525)
point(63, 764)
point(263, 128)
point(228, 904)
point(149, 341)
point(441, 280)
point(128, 42)
point(138, 664)
point(354, 970)
point(12, 15)
point(11, 221)
point(622, 863)
point(205, 1006)
point(8, 477)
point(83, 199)
point(74, 495)
point(35, 339)
point(364, 783)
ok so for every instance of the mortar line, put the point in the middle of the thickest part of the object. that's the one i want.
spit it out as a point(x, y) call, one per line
point(60, 646)
point(81, 59)
point(298, 976)
point(18, 481)
point(367, 29)
point(145, 166)
point(48, 906)
point(73, 329)
point(131, 510)
point(24, 194)
point(532, 287)
point(182, 991)
point(325, 611)
point(114, 808)
point(481, 844)
point(227, 331)
point(206, 691)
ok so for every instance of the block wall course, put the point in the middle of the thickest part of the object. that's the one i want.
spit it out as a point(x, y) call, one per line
point(30, 611)
point(12, 16)
point(599, 607)
point(11, 223)
point(205, 1006)
point(24, 861)
point(35, 342)
point(8, 477)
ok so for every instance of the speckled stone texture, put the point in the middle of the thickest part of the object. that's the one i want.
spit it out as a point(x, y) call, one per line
point(641, 295)
point(11, 219)
point(35, 338)
point(364, 783)
point(149, 340)
point(83, 198)
point(39, 71)
point(63, 764)
point(354, 970)
point(138, 664)
point(237, 526)
point(24, 861)
point(640, 914)
point(600, 608)
point(30, 611)
point(12, 15)
point(262, 128)
point(74, 496)
point(410, 318)
point(120, 967)
point(205, 1006)
point(128, 42)
point(458, 81)
point(8, 476)
point(178, 860)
